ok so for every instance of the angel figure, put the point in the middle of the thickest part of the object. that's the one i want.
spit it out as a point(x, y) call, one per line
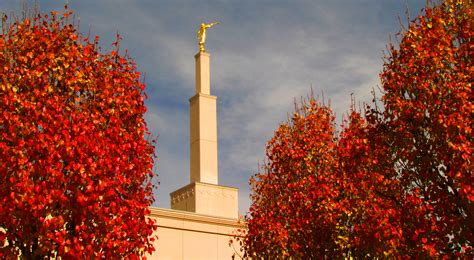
point(201, 34)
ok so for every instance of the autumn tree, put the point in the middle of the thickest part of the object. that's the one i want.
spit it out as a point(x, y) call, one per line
point(371, 226)
point(295, 197)
point(428, 109)
point(381, 212)
point(75, 167)
point(396, 181)
point(325, 194)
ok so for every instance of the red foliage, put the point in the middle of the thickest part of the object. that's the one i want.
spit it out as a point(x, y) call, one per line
point(428, 110)
point(396, 182)
point(295, 197)
point(381, 213)
point(372, 222)
point(75, 170)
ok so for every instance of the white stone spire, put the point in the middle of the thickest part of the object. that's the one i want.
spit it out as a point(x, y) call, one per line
point(203, 195)
point(203, 125)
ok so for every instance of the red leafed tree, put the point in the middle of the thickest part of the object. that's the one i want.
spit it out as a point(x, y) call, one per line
point(322, 194)
point(428, 109)
point(372, 225)
point(382, 214)
point(75, 167)
point(397, 181)
point(296, 199)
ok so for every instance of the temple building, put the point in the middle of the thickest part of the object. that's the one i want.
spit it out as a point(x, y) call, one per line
point(203, 214)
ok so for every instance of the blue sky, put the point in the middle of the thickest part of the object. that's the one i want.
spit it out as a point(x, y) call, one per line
point(264, 55)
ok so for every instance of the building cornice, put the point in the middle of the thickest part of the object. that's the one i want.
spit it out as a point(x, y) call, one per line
point(194, 217)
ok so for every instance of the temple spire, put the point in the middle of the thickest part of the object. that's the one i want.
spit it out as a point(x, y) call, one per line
point(203, 125)
point(203, 195)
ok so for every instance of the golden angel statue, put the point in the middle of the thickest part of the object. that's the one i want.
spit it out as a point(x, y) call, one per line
point(201, 34)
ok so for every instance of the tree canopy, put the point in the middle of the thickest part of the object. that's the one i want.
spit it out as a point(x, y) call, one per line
point(397, 179)
point(75, 164)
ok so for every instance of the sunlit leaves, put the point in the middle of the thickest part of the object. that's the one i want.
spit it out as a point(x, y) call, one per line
point(395, 181)
point(296, 206)
point(75, 171)
point(428, 102)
